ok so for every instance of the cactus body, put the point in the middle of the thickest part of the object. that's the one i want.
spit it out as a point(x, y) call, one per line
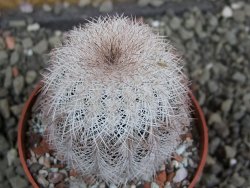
point(114, 100)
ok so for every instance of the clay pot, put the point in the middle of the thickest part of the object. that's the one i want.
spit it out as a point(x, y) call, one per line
point(26, 112)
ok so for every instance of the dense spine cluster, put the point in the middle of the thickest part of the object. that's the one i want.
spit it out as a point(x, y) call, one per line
point(114, 100)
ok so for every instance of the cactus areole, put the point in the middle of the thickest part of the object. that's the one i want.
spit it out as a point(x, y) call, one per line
point(114, 100)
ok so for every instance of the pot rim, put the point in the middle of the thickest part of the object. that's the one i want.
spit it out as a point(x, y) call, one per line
point(198, 115)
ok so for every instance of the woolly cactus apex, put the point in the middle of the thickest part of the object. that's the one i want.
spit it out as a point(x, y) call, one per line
point(115, 100)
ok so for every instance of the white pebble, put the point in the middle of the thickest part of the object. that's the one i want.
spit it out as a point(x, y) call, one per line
point(155, 23)
point(168, 185)
point(237, 5)
point(181, 149)
point(43, 173)
point(33, 27)
point(227, 12)
point(180, 175)
point(102, 185)
point(175, 164)
point(41, 160)
point(233, 162)
point(185, 162)
point(154, 185)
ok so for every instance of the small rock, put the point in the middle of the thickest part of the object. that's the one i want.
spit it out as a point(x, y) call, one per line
point(33, 27)
point(35, 167)
point(167, 185)
point(19, 182)
point(83, 3)
point(30, 76)
point(16, 109)
point(3, 57)
point(42, 181)
point(102, 185)
point(43, 173)
point(154, 185)
point(26, 7)
point(17, 23)
point(227, 12)
point(8, 77)
point(4, 108)
point(212, 86)
point(226, 105)
point(230, 152)
point(143, 3)
point(106, 6)
point(47, 8)
point(190, 22)
point(4, 145)
point(11, 156)
point(27, 43)
point(2, 44)
point(156, 3)
point(239, 16)
point(155, 23)
point(41, 47)
point(181, 149)
point(10, 42)
point(54, 41)
point(18, 84)
point(14, 57)
point(213, 21)
point(215, 118)
point(180, 175)
point(233, 162)
point(186, 34)
point(55, 177)
point(175, 23)
point(239, 77)
point(237, 180)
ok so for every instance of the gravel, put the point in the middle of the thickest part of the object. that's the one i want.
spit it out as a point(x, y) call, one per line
point(215, 46)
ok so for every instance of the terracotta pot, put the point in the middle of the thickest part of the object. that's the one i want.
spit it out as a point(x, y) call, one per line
point(26, 112)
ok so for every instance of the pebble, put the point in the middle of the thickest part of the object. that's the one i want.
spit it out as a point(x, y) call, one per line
point(35, 167)
point(30, 77)
point(239, 77)
point(226, 105)
point(230, 152)
point(180, 175)
point(186, 34)
point(215, 118)
point(227, 12)
point(175, 23)
point(84, 3)
point(18, 84)
point(154, 185)
point(3, 57)
point(11, 156)
point(8, 77)
point(157, 3)
point(26, 7)
point(213, 86)
point(190, 22)
point(41, 47)
point(237, 180)
point(47, 8)
point(14, 57)
point(181, 149)
point(41, 180)
point(33, 27)
point(17, 23)
point(10, 42)
point(106, 6)
point(43, 173)
point(143, 3)
point(4, 108)
point(4, 145)
point(239, 16)
point(16, 109)
point(18, 181)
point(27, 43)
point(55, 177)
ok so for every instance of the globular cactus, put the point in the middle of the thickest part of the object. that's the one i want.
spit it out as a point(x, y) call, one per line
point(115, 100)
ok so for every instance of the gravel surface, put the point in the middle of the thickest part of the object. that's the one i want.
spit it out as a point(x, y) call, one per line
point(216, 48)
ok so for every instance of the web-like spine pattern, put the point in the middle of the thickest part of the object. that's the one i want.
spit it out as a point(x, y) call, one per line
point(114, 100)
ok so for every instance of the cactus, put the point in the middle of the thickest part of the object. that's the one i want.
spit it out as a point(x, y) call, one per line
point(115, 100)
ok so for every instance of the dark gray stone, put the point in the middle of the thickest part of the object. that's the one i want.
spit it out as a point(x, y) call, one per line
point(18, 84)
point(4, 108)
point(19, 182)
point(14, 58)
